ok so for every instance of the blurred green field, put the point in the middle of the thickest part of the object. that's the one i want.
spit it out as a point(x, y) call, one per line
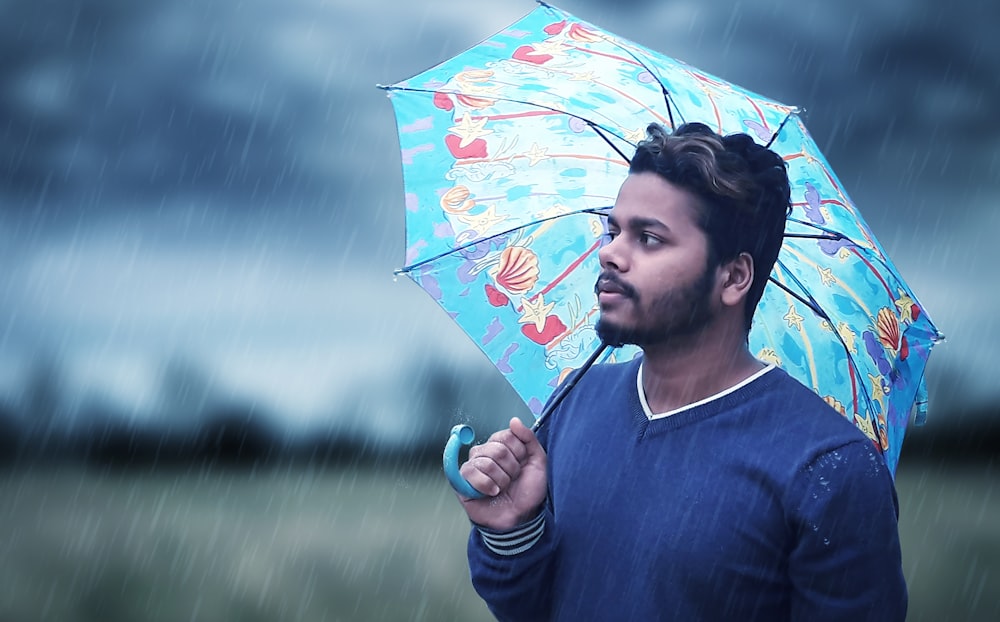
point(299, 544)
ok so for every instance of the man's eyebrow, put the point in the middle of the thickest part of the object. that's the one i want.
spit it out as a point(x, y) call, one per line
point(639, 222)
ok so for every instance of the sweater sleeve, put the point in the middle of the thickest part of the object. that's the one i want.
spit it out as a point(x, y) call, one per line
point(514, 581)
point(846, 562)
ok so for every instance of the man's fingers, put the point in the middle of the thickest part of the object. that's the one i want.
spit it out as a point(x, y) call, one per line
point(527, 438)
point(506, 457)
point(488, 476)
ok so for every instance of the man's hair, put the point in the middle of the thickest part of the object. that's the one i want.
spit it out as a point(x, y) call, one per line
point(742, 187)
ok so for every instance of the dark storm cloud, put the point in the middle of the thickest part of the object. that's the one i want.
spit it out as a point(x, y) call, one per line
point(118, 104)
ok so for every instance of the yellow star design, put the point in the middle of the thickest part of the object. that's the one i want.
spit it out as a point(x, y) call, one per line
point(535, 312)
point(536, 154)
point(865, 425)
point(843, 254)
point(826, 276)
point(905, 304)
point(768, 355)
point(878, 392)
point(552, 47)
point(793, 318)
point(849, 336)
point(481, 223)
point(469, 130)
point(583, 76)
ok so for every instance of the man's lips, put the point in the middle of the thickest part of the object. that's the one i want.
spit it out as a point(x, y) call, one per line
point(608, 286)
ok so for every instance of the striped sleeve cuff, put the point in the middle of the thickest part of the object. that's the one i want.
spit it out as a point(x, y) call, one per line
point(517, 540)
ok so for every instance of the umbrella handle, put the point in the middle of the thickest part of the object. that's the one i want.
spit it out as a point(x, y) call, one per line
point(461, 435)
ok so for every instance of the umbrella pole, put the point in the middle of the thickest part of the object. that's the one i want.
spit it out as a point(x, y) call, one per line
point(463, 435)
point(567, 386)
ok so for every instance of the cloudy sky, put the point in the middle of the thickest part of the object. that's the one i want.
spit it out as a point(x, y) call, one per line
point(218, 181)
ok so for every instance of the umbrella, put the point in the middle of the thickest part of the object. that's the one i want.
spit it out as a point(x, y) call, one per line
point(514, 150)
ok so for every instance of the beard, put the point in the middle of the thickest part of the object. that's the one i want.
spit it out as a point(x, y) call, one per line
point(672, 315)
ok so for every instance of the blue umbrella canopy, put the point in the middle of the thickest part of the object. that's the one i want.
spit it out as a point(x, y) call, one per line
point(514, 150)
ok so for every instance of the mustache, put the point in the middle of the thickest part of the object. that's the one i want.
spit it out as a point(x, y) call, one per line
point(608, 280)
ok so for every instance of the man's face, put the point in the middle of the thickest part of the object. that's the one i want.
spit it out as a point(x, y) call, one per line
point(655, 281)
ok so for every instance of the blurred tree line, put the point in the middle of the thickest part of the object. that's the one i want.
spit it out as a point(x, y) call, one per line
point(403, 417)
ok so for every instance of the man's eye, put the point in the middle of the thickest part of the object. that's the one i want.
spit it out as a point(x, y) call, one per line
point(609, 235)
point(648, 240)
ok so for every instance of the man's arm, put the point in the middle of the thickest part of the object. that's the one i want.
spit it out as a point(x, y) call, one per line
point(846, 563)
point(511, 570)
point(510, 548)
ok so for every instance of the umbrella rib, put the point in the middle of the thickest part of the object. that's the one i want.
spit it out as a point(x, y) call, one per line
point(667, 98)
point(565, 388)
point(814, 236)
point(818, 310)
point(597, 211)
point(837, 236)
point(780, 127)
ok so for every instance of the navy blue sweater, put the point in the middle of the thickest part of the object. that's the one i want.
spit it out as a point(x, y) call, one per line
point(763, 504)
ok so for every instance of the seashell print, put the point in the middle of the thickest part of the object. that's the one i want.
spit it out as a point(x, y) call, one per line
point(477, 103)
point(836, 404)
point(471, 76)
point(888, 329)
point(518, 269)
point(457, 201)
point(579, 33)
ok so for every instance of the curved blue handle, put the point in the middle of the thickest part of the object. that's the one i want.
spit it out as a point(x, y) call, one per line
point(461, 435)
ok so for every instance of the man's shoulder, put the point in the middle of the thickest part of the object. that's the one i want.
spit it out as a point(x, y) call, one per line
point(804, 419)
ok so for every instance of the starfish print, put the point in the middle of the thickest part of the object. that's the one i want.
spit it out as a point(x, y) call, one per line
point(865, 425)
point(849, 336)
point(535, 312)
point(536, 154)
point(551, 47)
point(469, 130)
point(826, 276)
point(905, 304)
point(768, 355)
point(481, 223)
point(793, 318)
point(878, 390)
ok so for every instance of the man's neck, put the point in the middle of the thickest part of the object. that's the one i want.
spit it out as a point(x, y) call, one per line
point(687, 371)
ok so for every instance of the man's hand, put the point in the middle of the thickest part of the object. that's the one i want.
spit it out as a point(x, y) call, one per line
point(510, 469)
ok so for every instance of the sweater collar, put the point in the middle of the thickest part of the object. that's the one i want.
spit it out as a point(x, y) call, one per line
point(736, 387)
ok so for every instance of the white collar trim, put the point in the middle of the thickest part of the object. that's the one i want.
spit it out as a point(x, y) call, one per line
point(651, 415)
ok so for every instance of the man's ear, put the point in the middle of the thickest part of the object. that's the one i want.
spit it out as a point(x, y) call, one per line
point(737, 277)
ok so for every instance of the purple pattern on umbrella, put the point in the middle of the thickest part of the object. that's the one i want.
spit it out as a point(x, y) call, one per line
point(503, 363)
point(758, 128)
point(430, 283)
point(494, 328)
point(407, 154)
point(418, 125)
point(813, 204)
point(443, 230)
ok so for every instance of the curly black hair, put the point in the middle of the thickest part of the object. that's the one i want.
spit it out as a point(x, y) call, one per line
point(743, 190)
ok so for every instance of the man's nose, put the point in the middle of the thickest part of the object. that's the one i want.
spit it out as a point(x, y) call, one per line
point(610, 255)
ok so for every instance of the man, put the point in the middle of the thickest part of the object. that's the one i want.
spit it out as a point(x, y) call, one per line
point(695, 482)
